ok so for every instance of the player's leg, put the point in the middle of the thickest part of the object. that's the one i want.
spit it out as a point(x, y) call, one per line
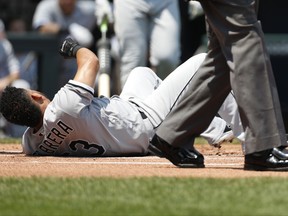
point(213, 134)
point(171, 90)
point(165, 37)
point(229, 112)
point(164, 98)
point(131, 29)
point(141, 82)
point(230, 115)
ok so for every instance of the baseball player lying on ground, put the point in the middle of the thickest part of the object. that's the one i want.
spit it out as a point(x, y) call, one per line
point(75, 123)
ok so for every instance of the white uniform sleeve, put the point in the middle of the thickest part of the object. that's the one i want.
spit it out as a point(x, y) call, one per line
point(31, 141)
point(82, 85)
point(73, 98)
point(42, 14)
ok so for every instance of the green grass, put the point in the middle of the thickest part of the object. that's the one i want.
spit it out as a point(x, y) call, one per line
point(143, 196)
point(9, 140)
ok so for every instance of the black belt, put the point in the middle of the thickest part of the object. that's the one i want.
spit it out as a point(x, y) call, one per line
point(143, 115)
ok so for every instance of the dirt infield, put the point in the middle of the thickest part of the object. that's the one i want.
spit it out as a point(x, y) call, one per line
point(224, 163)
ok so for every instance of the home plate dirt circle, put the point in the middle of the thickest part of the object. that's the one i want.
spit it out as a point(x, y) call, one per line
point(226, 162)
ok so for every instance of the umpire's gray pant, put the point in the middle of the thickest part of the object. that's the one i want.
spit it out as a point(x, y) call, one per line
point(237, 55)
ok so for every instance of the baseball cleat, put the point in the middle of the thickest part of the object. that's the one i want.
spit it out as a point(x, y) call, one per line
point(227, 136)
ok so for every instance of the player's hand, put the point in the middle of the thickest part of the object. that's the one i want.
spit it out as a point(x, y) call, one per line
point(69, 48)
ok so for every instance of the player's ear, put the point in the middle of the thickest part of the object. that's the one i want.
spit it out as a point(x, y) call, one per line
point(37, 97)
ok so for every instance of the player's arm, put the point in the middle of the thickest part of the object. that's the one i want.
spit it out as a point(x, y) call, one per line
point(87, 61)
point(50, 28)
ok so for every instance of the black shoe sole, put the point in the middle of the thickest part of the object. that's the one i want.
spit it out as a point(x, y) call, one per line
point(263, 168)
point(155, 151)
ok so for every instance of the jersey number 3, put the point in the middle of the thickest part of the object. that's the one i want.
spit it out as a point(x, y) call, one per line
point(87, 146)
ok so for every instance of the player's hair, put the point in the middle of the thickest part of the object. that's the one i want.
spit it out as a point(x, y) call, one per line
point(18, 108)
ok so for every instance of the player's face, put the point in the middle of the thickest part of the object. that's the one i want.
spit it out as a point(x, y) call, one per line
point(67, 6)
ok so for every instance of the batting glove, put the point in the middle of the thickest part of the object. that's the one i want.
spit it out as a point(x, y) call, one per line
point(69, 48)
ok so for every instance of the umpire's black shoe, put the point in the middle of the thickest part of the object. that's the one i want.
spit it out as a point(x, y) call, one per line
point(269, 160)
point(184, 158)
point(282, 152)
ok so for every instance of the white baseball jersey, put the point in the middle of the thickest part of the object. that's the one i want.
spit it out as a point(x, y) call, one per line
point(76, 123)
point(48, 11)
